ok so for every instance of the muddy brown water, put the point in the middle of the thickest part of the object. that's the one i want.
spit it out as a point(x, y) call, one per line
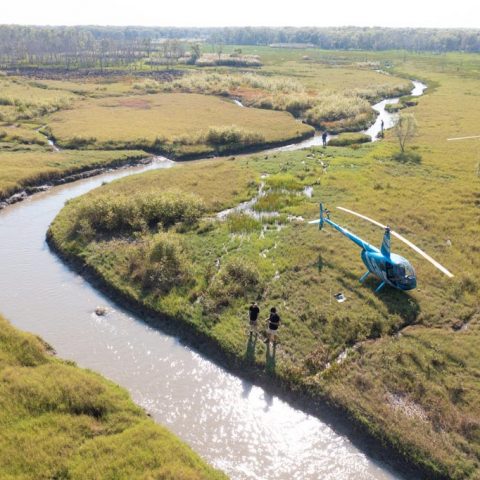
point(233, 424)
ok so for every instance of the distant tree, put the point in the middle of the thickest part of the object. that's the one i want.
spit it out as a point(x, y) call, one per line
point(219, 51)
point(195, 53)
point(405, 129)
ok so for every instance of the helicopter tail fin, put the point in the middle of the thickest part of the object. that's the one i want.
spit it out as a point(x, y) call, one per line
point(386, 243)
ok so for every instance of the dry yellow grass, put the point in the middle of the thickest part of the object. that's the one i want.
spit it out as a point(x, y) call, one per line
point(21, 169)
point(167, 116)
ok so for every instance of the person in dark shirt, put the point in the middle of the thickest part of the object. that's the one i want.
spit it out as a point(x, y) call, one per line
point(324, 138)
point(273, 323)
point(253, 312)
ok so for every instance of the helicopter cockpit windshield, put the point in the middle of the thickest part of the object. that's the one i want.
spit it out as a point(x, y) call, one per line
point(399, 271)
point(409, 271)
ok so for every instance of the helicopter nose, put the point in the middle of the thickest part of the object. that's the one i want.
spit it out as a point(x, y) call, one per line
point(411, 283)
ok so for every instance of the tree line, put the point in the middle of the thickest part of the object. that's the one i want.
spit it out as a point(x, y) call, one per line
point(97, 46)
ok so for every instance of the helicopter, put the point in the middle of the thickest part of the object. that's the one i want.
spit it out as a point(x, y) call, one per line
point(390, 268)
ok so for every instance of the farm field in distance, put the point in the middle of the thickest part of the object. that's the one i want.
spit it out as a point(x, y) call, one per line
point(403, 365)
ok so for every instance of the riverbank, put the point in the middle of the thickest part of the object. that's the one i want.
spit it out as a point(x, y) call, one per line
point(25, 173)
point(58, 420)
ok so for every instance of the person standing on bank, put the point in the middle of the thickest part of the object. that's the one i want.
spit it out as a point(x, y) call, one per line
point(324, 138)
point(273, 323)
point(253, 312)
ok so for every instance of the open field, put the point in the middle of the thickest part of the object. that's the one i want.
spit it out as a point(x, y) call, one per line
point(173, 123)
point(409, 368)
point(59, 421)
point(26, 100)
point(31, 168)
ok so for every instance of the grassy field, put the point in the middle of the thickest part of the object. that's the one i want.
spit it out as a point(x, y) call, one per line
point(404, 365)
point(171, 122)
point(59, 421)
point(21, 99)
point(22, 168)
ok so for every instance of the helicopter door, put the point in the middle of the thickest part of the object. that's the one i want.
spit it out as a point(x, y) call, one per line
point(390, 271)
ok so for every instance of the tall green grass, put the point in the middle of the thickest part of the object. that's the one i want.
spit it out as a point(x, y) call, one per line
point(61, 422)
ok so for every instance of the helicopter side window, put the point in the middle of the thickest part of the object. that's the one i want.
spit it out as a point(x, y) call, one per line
point(390, 272)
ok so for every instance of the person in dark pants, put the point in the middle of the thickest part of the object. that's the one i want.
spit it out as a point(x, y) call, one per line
point(382, 126)
point(253, 312)
point(324, 138)
point(273, 323)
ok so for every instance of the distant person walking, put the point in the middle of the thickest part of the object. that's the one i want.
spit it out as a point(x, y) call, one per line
point(273, 323)
point(253, 312)
point(324, 138)
point(382, 126)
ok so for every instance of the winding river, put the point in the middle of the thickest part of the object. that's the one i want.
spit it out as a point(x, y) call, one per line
point(388, 118)
point(235, 425)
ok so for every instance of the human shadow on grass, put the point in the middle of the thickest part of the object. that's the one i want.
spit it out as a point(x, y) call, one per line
point(250, 350)
point(270, 358)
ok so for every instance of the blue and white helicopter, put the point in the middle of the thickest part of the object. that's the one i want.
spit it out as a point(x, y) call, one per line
point(390, 268)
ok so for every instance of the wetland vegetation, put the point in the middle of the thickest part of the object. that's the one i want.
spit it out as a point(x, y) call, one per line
point(59, 421)
point(403, 366)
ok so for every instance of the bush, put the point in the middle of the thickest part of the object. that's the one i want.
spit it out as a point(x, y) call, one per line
point(161, 264)
point(335, 107)
point(407, 157)
point(233, 135)
point(345, 139)
point(114, 215)
point(236, 279)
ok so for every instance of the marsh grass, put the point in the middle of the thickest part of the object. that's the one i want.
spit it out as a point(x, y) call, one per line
point(59, 421)
point(317, 106)
point(242, 223)
point(346, 139)
point(171, 123)
point(22, 169)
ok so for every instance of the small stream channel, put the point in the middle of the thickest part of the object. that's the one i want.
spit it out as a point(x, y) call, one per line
point(233, 424)
point(388, 118)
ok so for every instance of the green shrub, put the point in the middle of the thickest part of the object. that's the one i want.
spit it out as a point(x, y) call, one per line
point(236, 279)
point(122, 214)
point(161, 263)
point(232, 135)
point(335, 107)
point(407, 157)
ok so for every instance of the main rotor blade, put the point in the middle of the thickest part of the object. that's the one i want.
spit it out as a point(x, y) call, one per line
point(404, 240)
point(368, 219)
